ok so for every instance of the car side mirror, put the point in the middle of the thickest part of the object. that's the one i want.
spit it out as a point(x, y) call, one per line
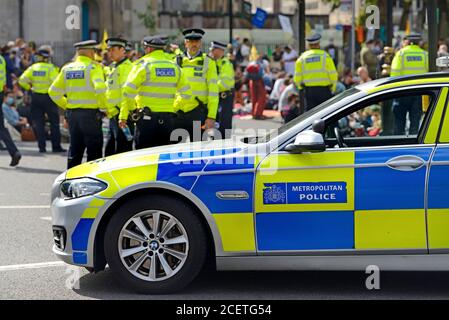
point(307, 141)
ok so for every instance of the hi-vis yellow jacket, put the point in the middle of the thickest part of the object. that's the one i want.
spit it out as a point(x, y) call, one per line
point(154, 82)
point(39, 77)
point(116, 77)
point(201, 73)
point(410, 60)
point(2, 73)
point(80, 85)
point(315, 68)
point(226, 75)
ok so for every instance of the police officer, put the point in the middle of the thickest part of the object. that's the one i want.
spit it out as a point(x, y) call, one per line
point(81, 90)
point(226, 83)
point(200, 111)
point(39, 78)
point(117, 75)
point(316, 74)
point(154, 84)
point(411, 59)
point(4, 133)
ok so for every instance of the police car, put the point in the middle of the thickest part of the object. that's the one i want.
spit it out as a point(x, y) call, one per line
point(361, 180)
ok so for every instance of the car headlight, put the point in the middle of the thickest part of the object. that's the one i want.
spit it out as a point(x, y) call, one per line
point(77, 188)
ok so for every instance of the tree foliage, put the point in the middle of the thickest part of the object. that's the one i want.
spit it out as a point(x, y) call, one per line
point(148, 19)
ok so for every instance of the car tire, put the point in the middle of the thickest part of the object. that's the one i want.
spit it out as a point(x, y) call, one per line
point(189, 222)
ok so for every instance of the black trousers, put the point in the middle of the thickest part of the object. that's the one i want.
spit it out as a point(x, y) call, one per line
point(85, 134)
point(315, 96)
point(412, 106)
point(192, 122)
point(225, 115)
point(4, 133)
point(156, 131)
point(117, 142)
point(42, 105)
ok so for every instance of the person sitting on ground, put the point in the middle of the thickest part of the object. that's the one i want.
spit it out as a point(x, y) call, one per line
point(291, 110)
point(11, 114)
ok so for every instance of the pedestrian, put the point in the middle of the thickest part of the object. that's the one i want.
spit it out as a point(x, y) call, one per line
point(119, 140)
point(289, 58)
point(258, 94)
point(333, 51)
point(368, 58)
point(409, 60)
point(11, 115)
point(81, 90)
point(226, 83)
point(315, 74)
point(38, 78)
point(154, 83)
point(4, 133)
point(200, 110)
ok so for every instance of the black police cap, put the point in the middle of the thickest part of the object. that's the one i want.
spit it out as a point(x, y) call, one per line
point(116, 42)
point(89, 44)
point(153, 42)
point(314, 39)
point(193, 34)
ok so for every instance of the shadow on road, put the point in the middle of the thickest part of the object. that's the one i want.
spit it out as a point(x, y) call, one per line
point(283, 285)
point(32, 170)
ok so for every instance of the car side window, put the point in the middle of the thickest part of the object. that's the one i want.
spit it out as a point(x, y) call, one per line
point(388, 120)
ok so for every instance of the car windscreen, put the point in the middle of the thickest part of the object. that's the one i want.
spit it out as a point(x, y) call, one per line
point(302, 117)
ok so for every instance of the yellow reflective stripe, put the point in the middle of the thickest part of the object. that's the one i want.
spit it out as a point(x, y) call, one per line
point(316, 80)
point(114, 101)
point(130, 95)
point(200, 93)
point(184, 89)
point(82, 101)
point(185, 96)
point(158, 95)
point(131, 85)
point(213, 81)
point(90, 213)
point(101, 91)
point(390, 229)
point(432, 132)
point(79, 90)
point(196, 80)
point(213, 94)
point(236, 231)
point(159, 84)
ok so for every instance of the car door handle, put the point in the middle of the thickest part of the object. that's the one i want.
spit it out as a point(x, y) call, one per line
point(406, 163)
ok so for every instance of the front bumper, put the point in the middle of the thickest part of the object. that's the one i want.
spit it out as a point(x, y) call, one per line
point(73, 224)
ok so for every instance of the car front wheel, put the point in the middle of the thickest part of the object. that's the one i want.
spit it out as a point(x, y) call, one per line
point(155, 244)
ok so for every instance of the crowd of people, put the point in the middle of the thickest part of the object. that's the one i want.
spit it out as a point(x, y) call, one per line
point(261, 82)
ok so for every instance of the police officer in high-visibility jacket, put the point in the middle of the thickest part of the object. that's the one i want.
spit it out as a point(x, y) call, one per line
point(226, 83)
point(411, 59)
point(4, 133)
point(38, 78)
point(153, 84)
point(315, 74)
point(200, 111)
point(81, 90)
point(116, 77)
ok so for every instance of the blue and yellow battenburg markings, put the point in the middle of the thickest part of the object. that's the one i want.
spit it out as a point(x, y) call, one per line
point(325, 201)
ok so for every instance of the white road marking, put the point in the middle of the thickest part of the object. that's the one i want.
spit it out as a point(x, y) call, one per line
point(23, 207)
point(46, 218)
point(32, 266)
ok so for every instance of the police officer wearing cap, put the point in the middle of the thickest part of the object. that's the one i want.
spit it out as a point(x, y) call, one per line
point(200, 111)
point(38, 78)
point(226, 83)
point(150, 93)
point(315, 73)
point(411, 59)
point(116, 77)
point(80, 89)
